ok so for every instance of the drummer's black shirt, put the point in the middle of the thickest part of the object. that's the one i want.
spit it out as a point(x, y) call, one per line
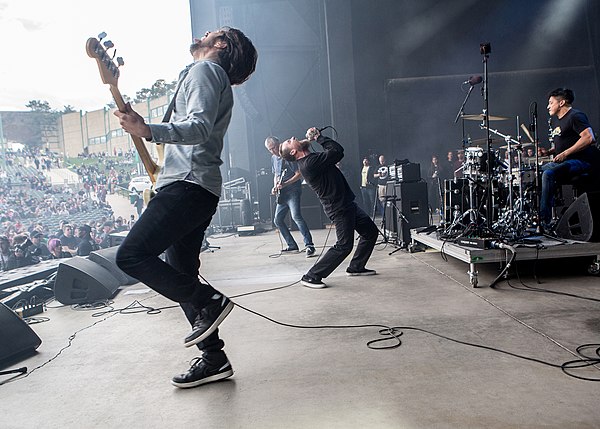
point(566, 131)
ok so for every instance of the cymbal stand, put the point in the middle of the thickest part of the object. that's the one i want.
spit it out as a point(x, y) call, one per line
point(511, 219)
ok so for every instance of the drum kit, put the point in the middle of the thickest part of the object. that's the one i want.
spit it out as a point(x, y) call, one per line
point(509, 185)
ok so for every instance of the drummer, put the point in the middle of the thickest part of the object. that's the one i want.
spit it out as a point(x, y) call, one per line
point(573, 149)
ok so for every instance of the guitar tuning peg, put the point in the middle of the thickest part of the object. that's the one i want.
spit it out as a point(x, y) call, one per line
point(120, 61)
point(108, 44)
point(101, 35)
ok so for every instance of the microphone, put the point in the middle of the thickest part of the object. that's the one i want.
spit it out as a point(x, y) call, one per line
point(473, 80)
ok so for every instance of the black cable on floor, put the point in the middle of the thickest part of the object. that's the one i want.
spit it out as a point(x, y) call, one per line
point(394, 333)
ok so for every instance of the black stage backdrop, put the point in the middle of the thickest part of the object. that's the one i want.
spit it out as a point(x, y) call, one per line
point(388, 74)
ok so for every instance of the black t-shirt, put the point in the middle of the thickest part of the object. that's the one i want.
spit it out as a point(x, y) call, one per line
point(323, 176)
point(566, 131)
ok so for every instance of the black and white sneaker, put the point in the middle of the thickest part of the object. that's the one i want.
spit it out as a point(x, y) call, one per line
point(290, 250)
point(363, 272)
point(209, 318)
point(310, 251)
point(312, 282)
point(201, 372)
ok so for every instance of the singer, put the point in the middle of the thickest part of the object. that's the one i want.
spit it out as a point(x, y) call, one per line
point(320, 172)
point(188, 190)
point(573, 150)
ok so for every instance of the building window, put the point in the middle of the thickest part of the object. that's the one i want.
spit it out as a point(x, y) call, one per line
point(97, 140)
point(158, 111)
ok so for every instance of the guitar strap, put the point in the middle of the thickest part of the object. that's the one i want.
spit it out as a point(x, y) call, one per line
point(171, 107)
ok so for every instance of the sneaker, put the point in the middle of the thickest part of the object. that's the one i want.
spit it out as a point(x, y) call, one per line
point(209, 318)
point(312, 282)
point(290, 250)
point(310, 252)
point(363, 272)
point(202, 372)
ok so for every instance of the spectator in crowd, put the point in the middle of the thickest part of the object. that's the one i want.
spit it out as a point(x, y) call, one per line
point(55, 248)
point(21, 256)
point(5, 252)
point(68, 240)
point(368, 185)
point(38, 248)
point(86, 244)
point(107, 229)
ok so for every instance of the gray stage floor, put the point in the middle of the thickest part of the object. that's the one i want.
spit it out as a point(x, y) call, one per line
point(115, 370)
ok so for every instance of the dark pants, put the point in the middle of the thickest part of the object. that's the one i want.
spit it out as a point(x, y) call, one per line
point(174, 222)
point(555, 174)
point(353, 218)
point(368, 197)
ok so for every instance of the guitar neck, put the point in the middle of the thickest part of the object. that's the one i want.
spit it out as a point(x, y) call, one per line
point(151, 167)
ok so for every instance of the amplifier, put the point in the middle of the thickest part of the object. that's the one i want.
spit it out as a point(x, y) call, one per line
point(410, 172)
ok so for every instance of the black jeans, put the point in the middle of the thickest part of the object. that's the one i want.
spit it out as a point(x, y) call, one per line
point(174, 222)
point(353, 218)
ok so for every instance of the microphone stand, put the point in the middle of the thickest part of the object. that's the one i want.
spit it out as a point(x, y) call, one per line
point(537, 169)
point(461, 113)
point(485, 49)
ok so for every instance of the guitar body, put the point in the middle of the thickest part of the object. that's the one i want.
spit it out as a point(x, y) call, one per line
point(109, 73)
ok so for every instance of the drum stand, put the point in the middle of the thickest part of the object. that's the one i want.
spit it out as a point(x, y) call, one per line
point(514, 220)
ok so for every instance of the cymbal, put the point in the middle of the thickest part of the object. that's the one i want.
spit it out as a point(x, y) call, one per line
point(514, 145)
point(480, 118)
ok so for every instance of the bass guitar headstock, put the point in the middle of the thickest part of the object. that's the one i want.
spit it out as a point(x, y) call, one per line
point(98, 50)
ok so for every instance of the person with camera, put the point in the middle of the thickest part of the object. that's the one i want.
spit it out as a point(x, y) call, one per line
point(21, 257)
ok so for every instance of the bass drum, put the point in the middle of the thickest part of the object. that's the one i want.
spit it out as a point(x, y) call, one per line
point(458, 199)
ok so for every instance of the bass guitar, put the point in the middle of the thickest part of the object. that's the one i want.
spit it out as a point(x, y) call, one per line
point(109, 73)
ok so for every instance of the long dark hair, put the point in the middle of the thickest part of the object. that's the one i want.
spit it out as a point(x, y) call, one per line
point(240, 56)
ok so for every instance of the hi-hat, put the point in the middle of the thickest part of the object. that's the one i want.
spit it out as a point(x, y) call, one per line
point(479, 142)
point(516, 146)
point(480, 118)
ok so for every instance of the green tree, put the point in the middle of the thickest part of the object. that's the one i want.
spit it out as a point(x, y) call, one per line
point(39, 106)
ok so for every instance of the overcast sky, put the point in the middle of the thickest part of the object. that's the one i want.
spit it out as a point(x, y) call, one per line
point(42, 48)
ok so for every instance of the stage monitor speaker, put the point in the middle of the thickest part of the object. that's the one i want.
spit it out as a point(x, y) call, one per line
point(107, 258)
point(577, 222)
point(81, 281)
point(17, 339)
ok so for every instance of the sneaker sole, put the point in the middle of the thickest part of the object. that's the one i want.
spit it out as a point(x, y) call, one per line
point(312, 285)
point(210, 379)
point(360, 274)
point(213, 327)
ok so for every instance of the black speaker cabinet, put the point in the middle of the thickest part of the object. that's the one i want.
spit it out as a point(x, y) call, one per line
point(107, 259)
point(17, 339)
point(264, 184)
point(81, 281)
point(312, 211)
point(233, 213)
point(412, 208)
point(577, 222)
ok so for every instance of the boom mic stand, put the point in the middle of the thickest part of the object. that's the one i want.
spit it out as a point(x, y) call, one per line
point(485, 49)
point(536, 142)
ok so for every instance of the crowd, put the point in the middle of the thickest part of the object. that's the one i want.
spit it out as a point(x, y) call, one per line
point(39, 221)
